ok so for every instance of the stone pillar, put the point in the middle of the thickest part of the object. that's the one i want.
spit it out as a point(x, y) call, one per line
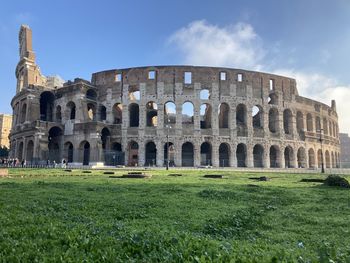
point(233, 157)
point(215, 155)
point(197, 154)
point(160, 116)
point(178, 153)
point(250, 159)
point(160, 154)
point(141, 153)
point(232, 122)
point(295, 157)
point(281, 157)
point(266, 156)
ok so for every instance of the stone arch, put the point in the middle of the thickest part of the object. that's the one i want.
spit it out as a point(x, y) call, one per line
point(205, 116)
point(30, 151)
point(106, 138)
point(311, 158)
point(187, 154)
point(118, 113)
point(257, 116)
point(204, 94)
point(23, 112)
point(171, 159)
point(187, 113)
point(301, 158)
point(258, 155)
point(274, 156)
point(309, 122)
point(134, 93)
point(224, 155)
point(69, 152)
point(169, 112)
point(206, 153)
point(54, 142)
point(328, 159)
point(224, 115)
point(325, 126)
point(288, 121)
point(241, 155)
point(273, 120)
point(91, 111)
point(273, 99)
point(85, 150)
point(288, 157)
point(102, 113)
point(71, 110)
point(241, 120)
point(134, 115)
point(58, 113)
point(46, 105)
point(133, 149)
point(151, 114)
point(91, 94)
point(150, 154)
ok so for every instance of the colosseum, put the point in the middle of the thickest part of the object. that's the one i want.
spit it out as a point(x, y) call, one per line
point(169, 115)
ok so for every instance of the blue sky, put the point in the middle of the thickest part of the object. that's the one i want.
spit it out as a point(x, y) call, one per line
point(305, 39)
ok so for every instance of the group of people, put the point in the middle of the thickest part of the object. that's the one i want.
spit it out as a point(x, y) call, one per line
point(15, 162)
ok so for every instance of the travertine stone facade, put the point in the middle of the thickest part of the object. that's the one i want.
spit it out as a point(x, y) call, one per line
point(5, 128)
point(195, 115)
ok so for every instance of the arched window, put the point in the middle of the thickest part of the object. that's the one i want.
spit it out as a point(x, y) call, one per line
point(169, 113)
point(224, 115)
point(205, 116)
point(257, 115)
point(273, 120)
point(151, 114)
point(118, 113)
point(134, 115)
point(287, 121)
point(187, 113)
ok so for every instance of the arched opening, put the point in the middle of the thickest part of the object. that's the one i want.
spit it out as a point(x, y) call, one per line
point(204, 94)
point(117, 155)
point(151, 154)
point(325, 126)
point(319, 158)
point(68, 152)
point(46, 105)
point(187, 154)
point(224, 115)
point(311, 158)
point(274, 156)
point(30, 151)
point(20, 151)
point(134, 115)
point(71, 110)
point(23, 113)
point(258, 155)
point(169, 113)
point(133, 153)
point(118, 113)
point(330, 129)
point(309, 122)
point(85, 147)
point(328, 159)
point(273, 99)
point(103, 113)
point(187, 113)
point(205, 116)
point(287, 121)
point(171, 159)
point(58, 113)
point(105, 138)
point(273, 120)
point(318, 124)
point(301, 158)
point(91, 94)
point(134, 93)
point(224, 155)
point(205, 153)
point(91, 112)
point(241, 155)
point(288, 157)
point(241, 120)
point(54, 142)
point(151, 114)
point(257, 116)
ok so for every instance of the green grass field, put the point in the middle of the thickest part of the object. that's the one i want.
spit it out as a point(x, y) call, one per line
point(58, 216)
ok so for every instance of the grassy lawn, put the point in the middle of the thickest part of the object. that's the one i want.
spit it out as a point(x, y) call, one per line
point(53, 215)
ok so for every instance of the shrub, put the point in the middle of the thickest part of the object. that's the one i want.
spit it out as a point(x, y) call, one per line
point(336, 180)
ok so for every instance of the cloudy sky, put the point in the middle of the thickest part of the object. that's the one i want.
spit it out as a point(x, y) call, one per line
point(308, 40)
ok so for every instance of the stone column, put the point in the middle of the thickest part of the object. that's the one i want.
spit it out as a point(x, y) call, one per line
point(250, 159)
point(197, 153)
point(141, 153)
point(233, 157)
point(178, 154)
point(266, 156)
point(160, 154)
point(281, 157)
point(215, 155)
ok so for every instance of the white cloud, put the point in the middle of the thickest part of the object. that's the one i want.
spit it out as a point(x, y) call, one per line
point(239, 46)
point(204, 44)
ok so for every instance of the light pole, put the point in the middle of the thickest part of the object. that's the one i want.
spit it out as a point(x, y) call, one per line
point(321, 140)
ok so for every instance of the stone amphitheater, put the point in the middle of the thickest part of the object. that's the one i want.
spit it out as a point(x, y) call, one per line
point(176, 115)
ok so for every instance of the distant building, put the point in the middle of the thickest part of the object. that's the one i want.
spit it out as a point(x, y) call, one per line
point(344, 150)
point(5, 127)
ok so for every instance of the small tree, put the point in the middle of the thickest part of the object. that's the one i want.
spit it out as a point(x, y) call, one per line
point(4, 152)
